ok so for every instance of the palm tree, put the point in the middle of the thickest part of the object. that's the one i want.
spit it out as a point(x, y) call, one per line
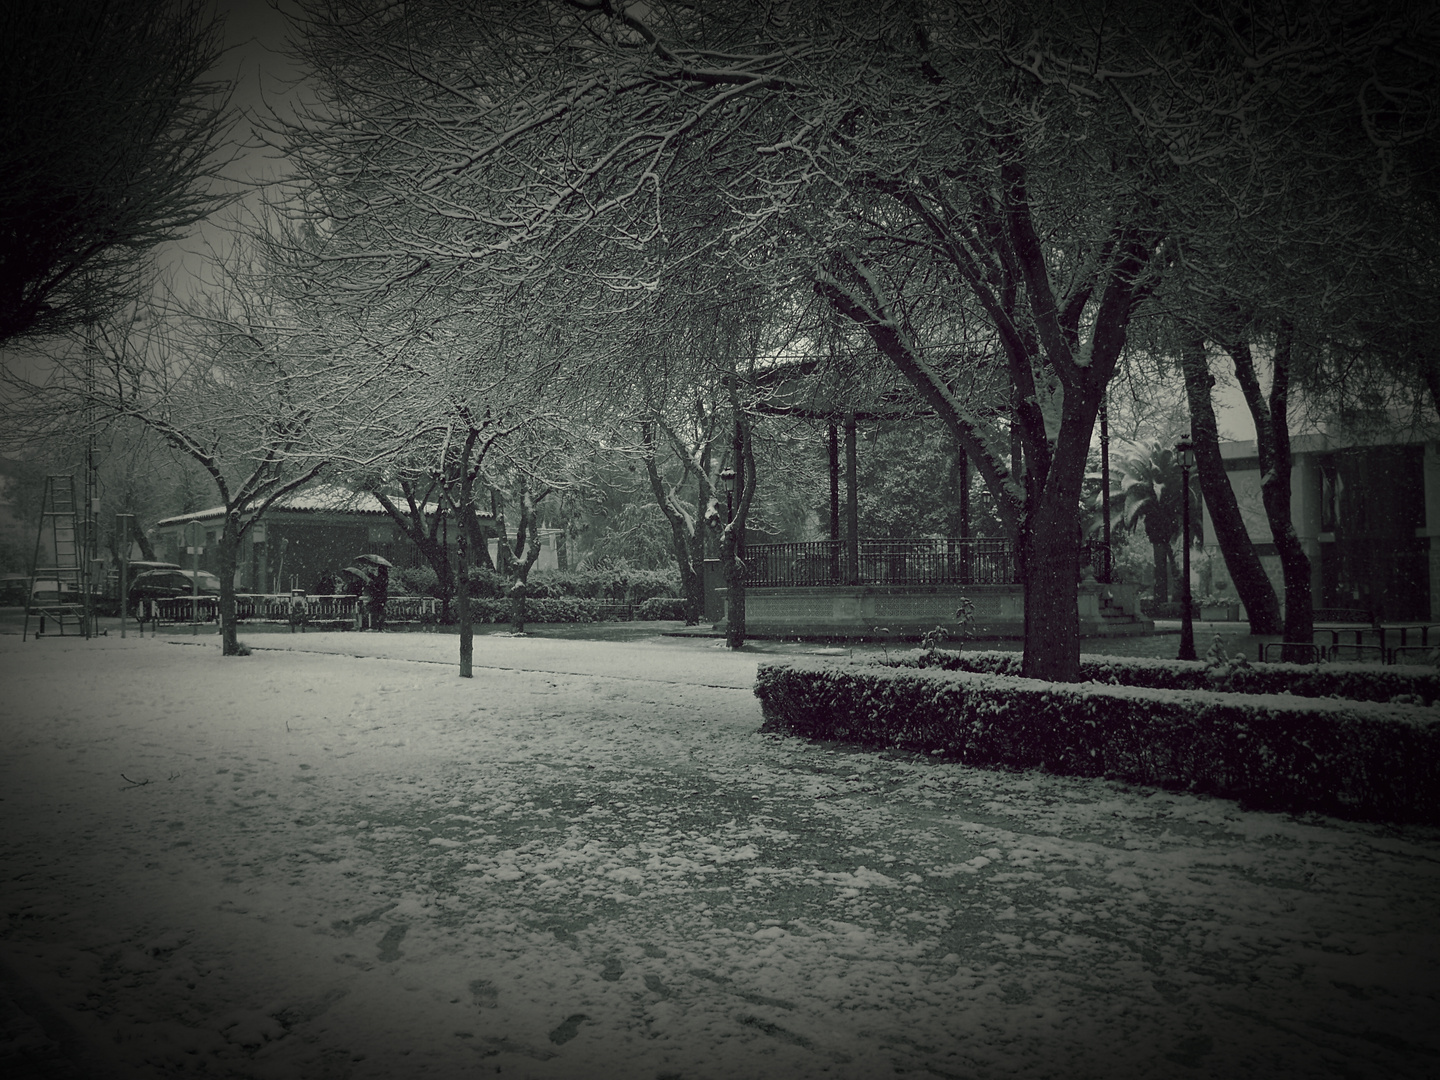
point(1150, 491)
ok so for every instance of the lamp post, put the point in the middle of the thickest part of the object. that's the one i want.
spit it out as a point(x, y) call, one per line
point(1185, 451)
point(727, 477)
point(124, 523)
point(731, 568)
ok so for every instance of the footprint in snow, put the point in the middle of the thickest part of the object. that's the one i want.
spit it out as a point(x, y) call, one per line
point(390, 943)
point(484, 993)
point(568, 1030)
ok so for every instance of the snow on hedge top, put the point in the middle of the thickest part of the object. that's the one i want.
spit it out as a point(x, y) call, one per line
point(1416, 715)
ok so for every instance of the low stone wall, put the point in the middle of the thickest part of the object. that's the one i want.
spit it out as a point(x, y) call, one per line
point(907, 611)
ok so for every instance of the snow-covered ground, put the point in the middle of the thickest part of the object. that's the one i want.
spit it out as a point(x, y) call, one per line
point(335, 858)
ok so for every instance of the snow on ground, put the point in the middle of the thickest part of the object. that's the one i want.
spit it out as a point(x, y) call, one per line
point(585, 862)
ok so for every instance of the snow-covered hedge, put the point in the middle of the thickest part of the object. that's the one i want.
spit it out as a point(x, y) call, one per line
point(1358, 682)
point(1355, 759)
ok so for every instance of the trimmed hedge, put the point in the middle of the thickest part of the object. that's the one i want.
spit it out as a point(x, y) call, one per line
point(1357, 682)
point(1353, 759)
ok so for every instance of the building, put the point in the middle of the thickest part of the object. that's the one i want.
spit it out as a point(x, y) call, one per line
point(304, 540)
point(1367, 512)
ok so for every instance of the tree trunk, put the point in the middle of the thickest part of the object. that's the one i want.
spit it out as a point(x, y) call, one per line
point(226, 556)
point(147, 549)
point(1272, 440)
point(465, 508)
point(1051, 572)
point(1051, 547)
point(525, 555)
point(681, 533)
point(1161, 555)
point(1252, 584)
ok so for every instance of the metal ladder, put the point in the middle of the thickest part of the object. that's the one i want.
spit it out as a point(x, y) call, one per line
point(60, 561)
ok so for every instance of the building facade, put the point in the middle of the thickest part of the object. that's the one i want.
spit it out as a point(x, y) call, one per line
point(1367, 513)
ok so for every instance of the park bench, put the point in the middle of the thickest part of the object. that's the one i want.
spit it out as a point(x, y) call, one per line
point(1333, 625)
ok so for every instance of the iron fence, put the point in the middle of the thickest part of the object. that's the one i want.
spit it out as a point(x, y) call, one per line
point(910, 561)
point(925, 561)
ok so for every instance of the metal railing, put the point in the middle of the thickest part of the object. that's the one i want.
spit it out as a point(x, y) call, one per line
point(923, 561)
point(284, 608)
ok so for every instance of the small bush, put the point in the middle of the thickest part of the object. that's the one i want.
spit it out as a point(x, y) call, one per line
point(487, 584)
point(661, 607)
point(415, 581)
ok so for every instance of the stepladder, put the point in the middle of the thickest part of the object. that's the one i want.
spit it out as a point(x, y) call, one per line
point(58, 587)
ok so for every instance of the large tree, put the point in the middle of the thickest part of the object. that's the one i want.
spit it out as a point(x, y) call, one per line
point(1032, 172)
point(111, 134)
point(896, 172)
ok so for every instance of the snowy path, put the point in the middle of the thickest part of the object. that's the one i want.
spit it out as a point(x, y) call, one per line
point(585, 862)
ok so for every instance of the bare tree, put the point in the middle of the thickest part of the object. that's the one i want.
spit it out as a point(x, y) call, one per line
point(226, 382)
point(110, 144)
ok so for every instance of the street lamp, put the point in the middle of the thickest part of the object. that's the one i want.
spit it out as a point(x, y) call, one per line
point(1185, 451)
point(727, 477)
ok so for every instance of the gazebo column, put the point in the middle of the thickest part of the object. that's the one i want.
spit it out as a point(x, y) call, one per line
point(852, 507)
point(966, 553)
point(834, 503)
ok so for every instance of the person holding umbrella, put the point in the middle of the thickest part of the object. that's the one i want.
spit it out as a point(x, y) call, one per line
point(375, 587)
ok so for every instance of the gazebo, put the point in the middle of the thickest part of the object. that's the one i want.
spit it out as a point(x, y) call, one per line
point(850, 586)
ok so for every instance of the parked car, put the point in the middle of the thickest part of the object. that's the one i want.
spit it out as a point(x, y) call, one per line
point(164, 584)
point(137, 567)
point(13, 588)
point(49, 591)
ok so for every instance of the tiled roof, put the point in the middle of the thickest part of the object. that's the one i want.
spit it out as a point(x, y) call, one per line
point(317, 498)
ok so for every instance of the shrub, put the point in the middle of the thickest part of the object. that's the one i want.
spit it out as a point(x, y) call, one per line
point(558, 609)
point(487, 609)
point(486, 583)
point(561, 609)
point(415, 581)
point(1357, 759)
point(661, 607)
point(612, 584)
